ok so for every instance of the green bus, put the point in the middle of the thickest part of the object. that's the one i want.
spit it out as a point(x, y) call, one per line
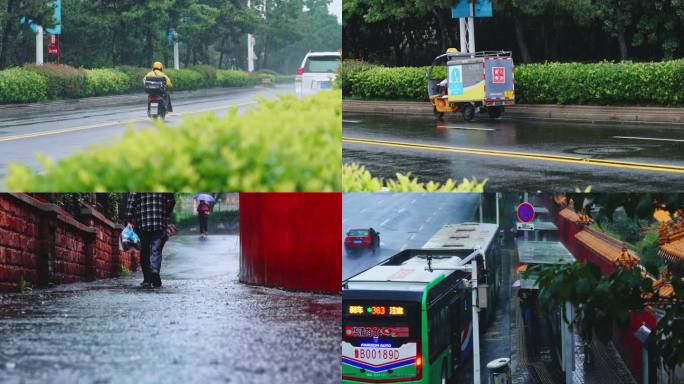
point(467, 237)
point(405, 322)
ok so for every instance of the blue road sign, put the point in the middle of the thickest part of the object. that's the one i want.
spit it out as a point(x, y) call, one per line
point(525, 212)
point(57, 30)
point(482, 8)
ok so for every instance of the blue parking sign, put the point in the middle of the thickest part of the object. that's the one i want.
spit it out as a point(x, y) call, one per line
point(456, 80)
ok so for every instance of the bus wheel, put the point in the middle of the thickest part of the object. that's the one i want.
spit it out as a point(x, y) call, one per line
point(468, 111)
point(495, 112)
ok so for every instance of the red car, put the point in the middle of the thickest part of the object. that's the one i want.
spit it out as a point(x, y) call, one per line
point(362, 238)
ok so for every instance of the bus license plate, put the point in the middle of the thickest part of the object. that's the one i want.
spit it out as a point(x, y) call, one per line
point(378, 357)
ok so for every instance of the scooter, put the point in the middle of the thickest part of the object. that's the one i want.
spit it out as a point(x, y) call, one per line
point(156, 106)
point(155, 87)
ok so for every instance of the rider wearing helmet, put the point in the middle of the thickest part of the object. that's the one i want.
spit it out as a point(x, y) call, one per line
point(158, 71)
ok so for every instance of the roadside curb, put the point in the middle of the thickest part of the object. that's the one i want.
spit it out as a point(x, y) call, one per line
point(66, 105)
point(576, 113)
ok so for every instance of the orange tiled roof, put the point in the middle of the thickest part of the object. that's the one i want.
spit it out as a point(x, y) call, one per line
point(605, 246)
point(672, 251)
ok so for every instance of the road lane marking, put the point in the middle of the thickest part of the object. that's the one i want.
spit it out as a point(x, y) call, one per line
point(469, 128)
point(648, 138)
point(520, 155)
point(385, 222)
point(351, 121)
point(110, 124)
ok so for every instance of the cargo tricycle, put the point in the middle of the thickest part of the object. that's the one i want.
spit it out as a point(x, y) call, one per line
point(474, 82)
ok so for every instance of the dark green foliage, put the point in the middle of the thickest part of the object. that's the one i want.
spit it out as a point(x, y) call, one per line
point(602, 301)
point(18, 85)
point(62, 81)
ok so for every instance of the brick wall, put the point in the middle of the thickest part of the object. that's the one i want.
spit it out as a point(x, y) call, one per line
point(43, 244)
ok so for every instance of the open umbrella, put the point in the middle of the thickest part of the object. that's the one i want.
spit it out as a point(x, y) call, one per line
point(204, 197)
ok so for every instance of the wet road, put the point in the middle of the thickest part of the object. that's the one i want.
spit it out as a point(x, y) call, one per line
point(201, 326)
point(518, 155)
point(60, 134)
point(404, 220)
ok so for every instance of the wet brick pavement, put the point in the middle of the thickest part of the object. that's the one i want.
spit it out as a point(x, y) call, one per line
point(201, 326)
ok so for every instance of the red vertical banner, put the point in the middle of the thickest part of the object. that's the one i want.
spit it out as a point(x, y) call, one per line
point(291, 240)
point(53, 45)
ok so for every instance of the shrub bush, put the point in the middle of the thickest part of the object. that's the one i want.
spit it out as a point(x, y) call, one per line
point(283, 144)
point(230, 78)
point(602, 83)
point(135, 76)
point(19, 85)
point(284, 78)
point(184, 79)
point(99, 82)
point(62, 81)
point(208, 74)
point(356, 178)
point(50, 81)
point(347, 71)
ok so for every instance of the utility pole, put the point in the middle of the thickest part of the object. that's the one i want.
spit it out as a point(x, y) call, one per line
point(176, 59)
point(496, 197)
point(471, 28)
point(472, 268)
point(250, 47)
point(39, 44)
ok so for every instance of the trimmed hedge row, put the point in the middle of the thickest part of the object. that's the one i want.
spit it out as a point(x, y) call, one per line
point(604, 83)
point(33, 83)
point(283, 144)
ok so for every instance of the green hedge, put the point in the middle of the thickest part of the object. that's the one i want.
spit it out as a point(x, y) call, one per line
point(99, 82)
point(229, 78)
point(356, 178)
point(19, 85)
point(61, 80)
point(50, 81)
point(602, 83)
point(283, 144)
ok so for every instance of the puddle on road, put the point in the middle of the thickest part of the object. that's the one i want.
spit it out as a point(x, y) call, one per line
point(608, 150)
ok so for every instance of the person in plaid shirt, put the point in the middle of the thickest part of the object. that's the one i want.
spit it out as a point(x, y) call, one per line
point(149, 214)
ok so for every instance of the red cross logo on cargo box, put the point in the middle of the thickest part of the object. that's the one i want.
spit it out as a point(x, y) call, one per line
point(498, 75)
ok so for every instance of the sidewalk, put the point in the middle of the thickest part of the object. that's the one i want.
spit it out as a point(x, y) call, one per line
point(201, 326)
point(577, 113)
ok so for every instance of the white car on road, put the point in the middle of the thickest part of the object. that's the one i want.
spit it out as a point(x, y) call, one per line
point(318, 71)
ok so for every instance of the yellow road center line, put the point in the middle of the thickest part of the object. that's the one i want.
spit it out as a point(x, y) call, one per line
point(520, 155)
point(111, 123)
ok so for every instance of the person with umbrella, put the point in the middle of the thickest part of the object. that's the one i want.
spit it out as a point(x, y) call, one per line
point(203, 210)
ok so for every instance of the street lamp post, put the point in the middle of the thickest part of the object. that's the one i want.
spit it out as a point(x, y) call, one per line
point(39, 45)
point(470, 265)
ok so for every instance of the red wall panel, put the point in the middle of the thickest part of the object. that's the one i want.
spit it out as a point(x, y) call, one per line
point(291, 240)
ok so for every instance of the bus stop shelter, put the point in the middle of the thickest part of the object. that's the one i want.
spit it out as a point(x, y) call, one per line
point(533, 256)
point(541, 253)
